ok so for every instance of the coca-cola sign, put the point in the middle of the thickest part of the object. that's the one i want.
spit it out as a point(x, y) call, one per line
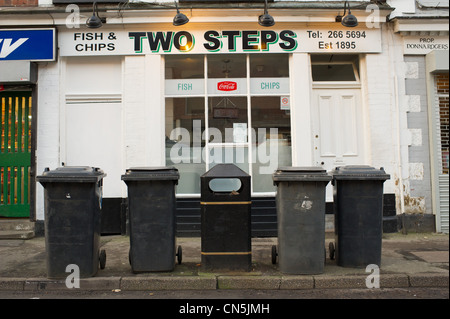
point(227, 86)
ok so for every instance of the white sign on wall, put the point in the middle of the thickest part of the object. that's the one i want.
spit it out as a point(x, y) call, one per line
point(330, 39)
point(424, 44)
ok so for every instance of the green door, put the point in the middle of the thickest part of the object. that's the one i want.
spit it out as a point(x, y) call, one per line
point(15, 154)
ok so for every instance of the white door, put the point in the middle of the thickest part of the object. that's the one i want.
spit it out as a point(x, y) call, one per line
point(92, 128)
point(337, 129)
point(94, 138)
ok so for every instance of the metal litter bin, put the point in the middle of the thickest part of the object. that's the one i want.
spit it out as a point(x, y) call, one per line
point(358, 215)
point(226, 218)
point(73, 199)
point(300, 204)
point(151, 211)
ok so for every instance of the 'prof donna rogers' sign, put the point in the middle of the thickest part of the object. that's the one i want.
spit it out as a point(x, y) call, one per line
point(120, 42)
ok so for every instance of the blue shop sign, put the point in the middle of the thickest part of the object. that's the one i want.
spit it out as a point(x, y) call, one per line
point(27, 44)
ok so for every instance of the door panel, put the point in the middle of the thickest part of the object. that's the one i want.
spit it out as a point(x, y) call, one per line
point(326, 127)
point(94, 138)
point(15, 154)
point(337, 129)
point(347, 115)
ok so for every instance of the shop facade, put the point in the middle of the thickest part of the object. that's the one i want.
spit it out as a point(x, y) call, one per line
point(422, 30)
point(140, 91)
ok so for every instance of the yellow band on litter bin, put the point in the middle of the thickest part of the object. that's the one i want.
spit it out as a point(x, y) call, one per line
point(225, 203)
point(227, 253)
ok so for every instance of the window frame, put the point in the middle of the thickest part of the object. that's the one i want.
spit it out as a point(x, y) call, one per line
point(337, 84)
point(250, 144)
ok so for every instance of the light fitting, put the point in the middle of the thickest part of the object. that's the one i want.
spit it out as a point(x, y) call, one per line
point(266, 20)
point(95, 21)
point(348, 20)
point(179, 18)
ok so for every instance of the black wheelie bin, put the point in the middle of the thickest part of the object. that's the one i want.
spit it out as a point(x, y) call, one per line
point(300, 204)
point(358, 215)
point(151, 212)
point(73, 200)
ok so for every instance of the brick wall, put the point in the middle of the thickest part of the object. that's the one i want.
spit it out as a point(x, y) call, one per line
point(18, 3)
point(442, 81)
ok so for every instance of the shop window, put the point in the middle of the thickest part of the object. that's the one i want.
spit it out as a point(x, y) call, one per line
point(227, 66)
point(276, 65)
point(184, 143)
point(333, 72)
point(182, 67)
point(213, 116)
point(272, 144)
point(335, 68)
point(226, 114)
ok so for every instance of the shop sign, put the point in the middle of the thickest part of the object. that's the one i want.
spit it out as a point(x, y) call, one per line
point(27, 44)
point(424, 44)
point(185, 87)
point(227, 86)
point(235, 86)
point(313, 39)
point(285, 103)
point(269, 85)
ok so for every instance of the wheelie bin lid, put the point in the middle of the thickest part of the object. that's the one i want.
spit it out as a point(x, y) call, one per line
point(73, 174)
point(300, 174)
point(151, 174)
point(359, 172)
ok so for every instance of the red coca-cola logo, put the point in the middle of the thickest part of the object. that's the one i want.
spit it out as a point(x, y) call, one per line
point(227, 86)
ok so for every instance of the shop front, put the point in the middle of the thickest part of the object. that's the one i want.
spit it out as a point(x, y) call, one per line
point(425, 48)
point(152, 94)
point(21, 49)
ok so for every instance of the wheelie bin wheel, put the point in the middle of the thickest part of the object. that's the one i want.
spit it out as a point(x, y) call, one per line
point(179, 255)
point(274, 254)
point(102, 259)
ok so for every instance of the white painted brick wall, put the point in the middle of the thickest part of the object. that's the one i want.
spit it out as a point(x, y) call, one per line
point(381, 118)
point(134, 110)
point(47, 152)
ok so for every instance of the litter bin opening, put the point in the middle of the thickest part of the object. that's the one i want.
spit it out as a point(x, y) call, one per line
point(225, 185)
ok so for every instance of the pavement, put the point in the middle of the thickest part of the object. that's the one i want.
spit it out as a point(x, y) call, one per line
point(413, 260)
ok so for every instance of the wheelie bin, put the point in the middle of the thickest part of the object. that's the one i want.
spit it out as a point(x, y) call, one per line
point(358, 215)
point(300, 202)
point(151, 212)
point(72, 201)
